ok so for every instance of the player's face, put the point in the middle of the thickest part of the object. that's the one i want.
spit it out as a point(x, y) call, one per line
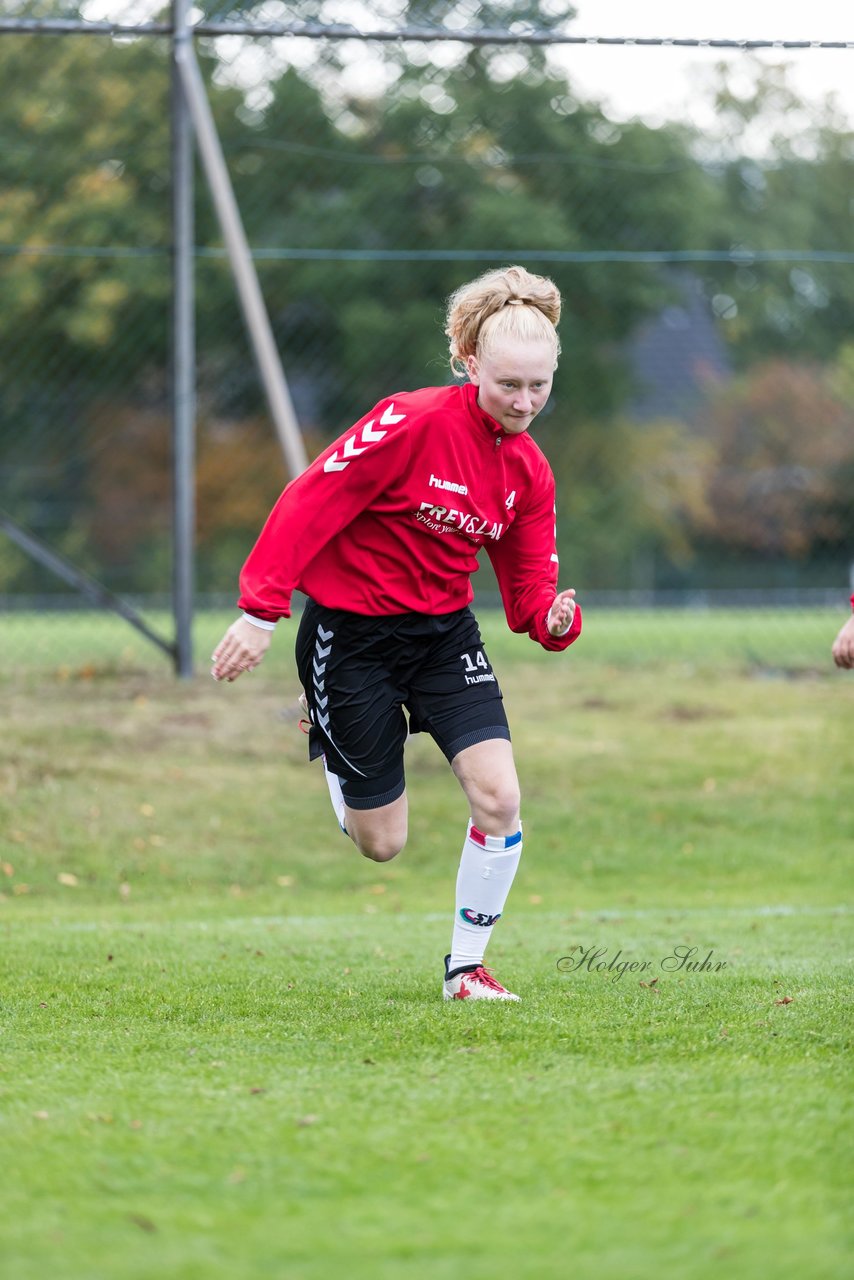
point(514, 381)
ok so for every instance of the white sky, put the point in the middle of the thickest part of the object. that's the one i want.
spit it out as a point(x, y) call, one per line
point(662, 82)
point(655, 83)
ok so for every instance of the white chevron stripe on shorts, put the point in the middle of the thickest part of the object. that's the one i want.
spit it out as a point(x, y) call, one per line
point(322, 650)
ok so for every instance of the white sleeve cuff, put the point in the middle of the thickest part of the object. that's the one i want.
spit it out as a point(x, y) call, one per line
point(260, 622)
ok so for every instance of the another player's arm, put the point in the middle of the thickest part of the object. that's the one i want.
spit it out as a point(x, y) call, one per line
point(843, 645)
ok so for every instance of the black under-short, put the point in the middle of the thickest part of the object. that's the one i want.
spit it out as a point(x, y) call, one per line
point(361, 674)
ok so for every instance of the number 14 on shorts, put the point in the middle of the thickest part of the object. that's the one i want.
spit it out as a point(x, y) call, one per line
point(476, 672)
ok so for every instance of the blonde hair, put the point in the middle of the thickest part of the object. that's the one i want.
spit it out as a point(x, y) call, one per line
point(510, 303)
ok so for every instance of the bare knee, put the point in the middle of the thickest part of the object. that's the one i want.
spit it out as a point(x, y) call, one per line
point(487, 774)
point(378, 848)
point(378, 834)
point(495, 808)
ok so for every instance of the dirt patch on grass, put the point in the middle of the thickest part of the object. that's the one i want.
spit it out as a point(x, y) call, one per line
point(683, 713)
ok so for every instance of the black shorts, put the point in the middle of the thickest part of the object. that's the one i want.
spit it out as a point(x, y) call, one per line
point(359, 674)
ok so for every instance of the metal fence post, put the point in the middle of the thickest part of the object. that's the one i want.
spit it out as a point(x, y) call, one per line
point(183, 353)
point(240, 257)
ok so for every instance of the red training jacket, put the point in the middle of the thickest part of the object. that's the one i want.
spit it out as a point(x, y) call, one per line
point(390, 518)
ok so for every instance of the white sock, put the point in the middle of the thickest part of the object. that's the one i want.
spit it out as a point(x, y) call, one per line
point(487, 867)
point(336, 795)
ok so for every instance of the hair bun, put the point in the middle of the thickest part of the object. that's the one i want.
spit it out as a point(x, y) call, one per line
point(480, 312)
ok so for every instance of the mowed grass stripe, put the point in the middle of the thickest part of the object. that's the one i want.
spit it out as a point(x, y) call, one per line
point(71, 642)
point(223, 1051)
point(231, 1102)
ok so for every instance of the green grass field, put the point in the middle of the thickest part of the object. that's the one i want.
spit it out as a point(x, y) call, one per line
point(224, 1049)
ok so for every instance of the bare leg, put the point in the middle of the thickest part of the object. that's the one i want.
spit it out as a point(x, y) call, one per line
point(379, 834)
point(487, 774)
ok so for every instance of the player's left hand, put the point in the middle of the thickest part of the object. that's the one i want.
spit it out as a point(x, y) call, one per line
point(561, 613)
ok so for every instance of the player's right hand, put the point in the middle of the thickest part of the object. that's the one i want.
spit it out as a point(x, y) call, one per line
point(241, 649)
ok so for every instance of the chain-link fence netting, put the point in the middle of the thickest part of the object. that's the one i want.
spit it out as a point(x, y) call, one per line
point(702, 423)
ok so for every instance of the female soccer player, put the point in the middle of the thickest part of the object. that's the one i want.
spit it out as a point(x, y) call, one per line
point(382, 533)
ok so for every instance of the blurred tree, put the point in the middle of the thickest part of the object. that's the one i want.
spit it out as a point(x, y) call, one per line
point(490, 153)
point(781, 463)
point(481, 149)
point(628, 501)
point(83, 167)
point(787, 173)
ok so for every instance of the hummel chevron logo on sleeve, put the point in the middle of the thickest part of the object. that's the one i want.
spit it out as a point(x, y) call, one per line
point(358, 442)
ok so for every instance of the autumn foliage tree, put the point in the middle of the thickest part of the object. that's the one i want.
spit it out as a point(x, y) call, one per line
point(779, 477)
point(357, 203)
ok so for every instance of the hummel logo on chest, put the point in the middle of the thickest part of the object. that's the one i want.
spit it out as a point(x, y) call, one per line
point(451, 485)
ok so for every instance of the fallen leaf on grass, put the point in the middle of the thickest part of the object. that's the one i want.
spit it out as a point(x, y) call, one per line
point(144, 1224)
point(304, 1121)
point(41, 1115)
point(785, 1000)
point(68, 878)
point(7, 868)
point(257, 1089)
